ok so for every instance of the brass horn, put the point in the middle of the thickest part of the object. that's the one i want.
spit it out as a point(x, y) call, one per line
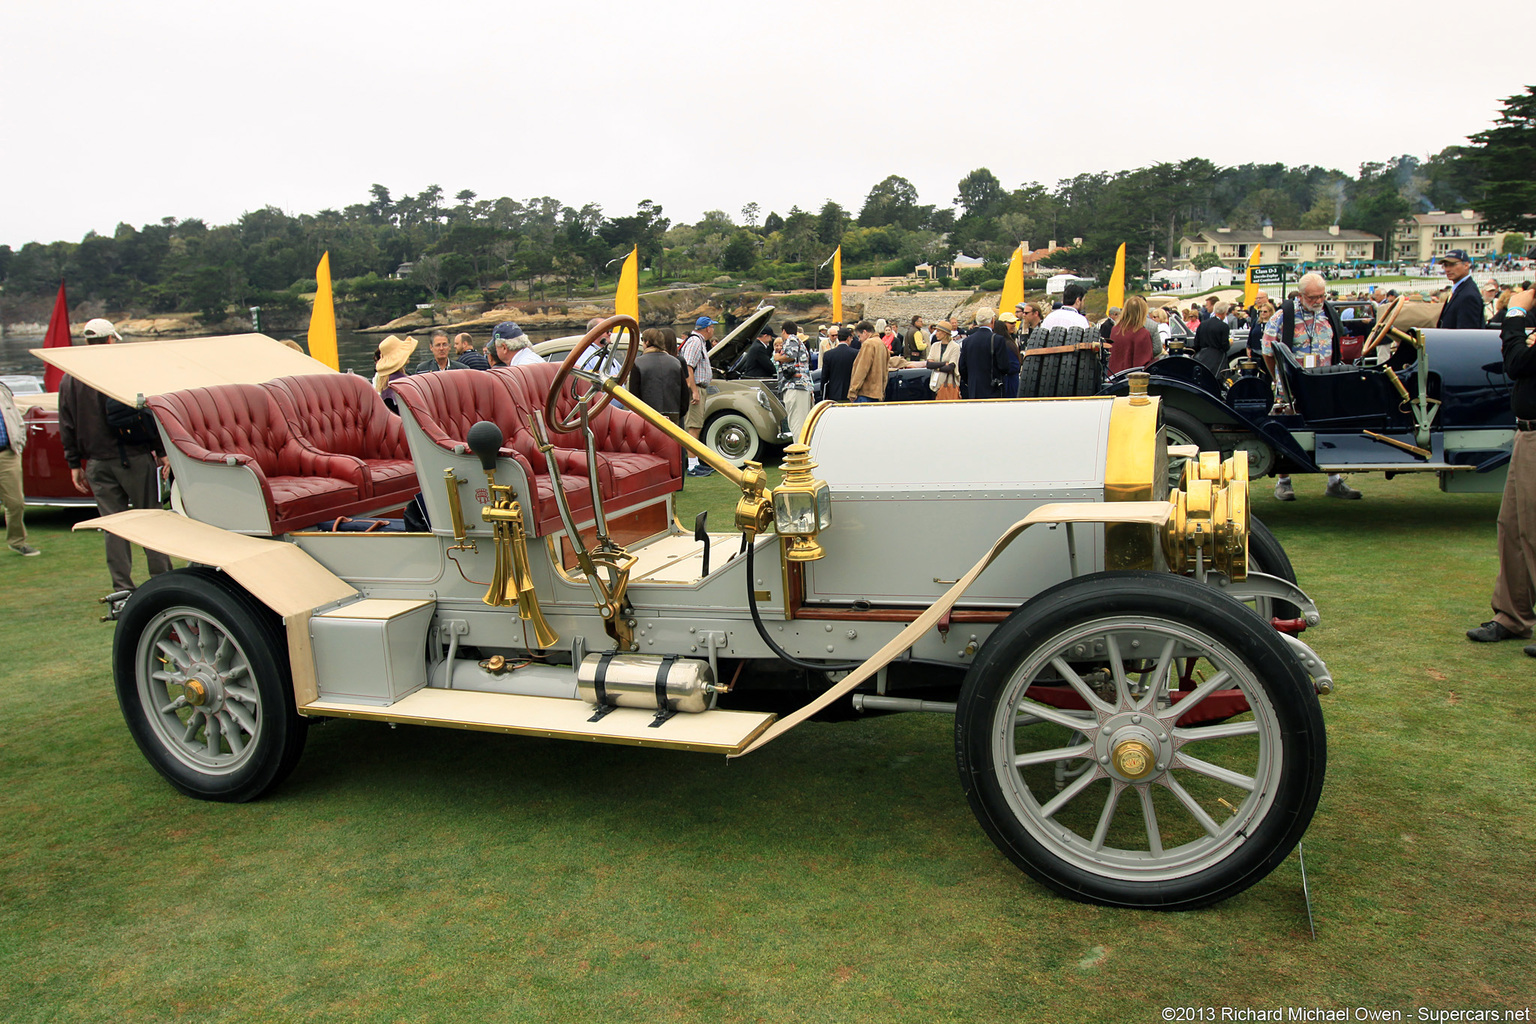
point(512, 582)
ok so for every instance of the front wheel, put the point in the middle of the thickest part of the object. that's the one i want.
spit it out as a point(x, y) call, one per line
point(202, 677)
point(734, 437)
point(1074, 758)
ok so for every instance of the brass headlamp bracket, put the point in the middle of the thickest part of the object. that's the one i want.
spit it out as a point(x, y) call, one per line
point(754, 509)
point(1209, 525)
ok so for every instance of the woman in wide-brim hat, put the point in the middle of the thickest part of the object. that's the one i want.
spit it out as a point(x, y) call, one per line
point(389, 362)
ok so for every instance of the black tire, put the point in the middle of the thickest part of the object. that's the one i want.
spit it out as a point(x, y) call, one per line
point(1029, 376)
point(1066, 374)
point(187, 610)
point(1090, 373)
point(1184, 428)
point(1088, 849)
point(1266, 555)
point(734, 437)
point(1050, 369)
point(1074, 335)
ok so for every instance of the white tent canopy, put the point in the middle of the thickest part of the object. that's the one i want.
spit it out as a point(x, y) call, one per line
point(1058, 284)
point(1215, 277)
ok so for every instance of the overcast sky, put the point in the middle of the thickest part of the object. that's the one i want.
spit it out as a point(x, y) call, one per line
point(136, 111)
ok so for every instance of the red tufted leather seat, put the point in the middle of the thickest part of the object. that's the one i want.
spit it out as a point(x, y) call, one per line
point(342, 414)
point(636, 461)
point(241, 424)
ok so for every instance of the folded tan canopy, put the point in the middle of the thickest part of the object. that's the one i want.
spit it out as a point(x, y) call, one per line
point(126, 370)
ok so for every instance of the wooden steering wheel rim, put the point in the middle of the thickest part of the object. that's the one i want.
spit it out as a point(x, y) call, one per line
point(1382, 326)
point(568, 365)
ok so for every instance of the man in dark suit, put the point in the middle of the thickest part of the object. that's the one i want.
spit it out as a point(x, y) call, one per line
point(757, 360)
point(837, 367)
point(1463, 309)
point(983, 360)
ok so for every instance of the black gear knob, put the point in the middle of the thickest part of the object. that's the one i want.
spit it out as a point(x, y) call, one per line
point(485, 440)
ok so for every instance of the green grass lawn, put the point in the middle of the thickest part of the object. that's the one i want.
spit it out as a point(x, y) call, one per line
point(417, 875)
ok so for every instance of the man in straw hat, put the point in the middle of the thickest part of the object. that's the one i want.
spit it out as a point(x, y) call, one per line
point(389, 361)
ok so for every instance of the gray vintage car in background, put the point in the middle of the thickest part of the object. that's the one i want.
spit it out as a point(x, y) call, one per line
point(742, 418)
point(1137, 722)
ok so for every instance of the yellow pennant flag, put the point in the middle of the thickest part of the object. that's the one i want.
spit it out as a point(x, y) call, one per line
point(1013, 283)
point(837, 286)
point(1117, 279)
point(1251, 290)
point(322, 318)
point(626, 301)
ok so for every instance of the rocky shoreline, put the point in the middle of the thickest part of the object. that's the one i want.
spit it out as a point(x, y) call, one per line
point(667, 307)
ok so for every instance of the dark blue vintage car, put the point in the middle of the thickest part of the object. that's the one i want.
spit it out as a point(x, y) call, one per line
point(1438, 403)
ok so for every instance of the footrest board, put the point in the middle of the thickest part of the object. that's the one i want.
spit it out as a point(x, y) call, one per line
point(717, 732)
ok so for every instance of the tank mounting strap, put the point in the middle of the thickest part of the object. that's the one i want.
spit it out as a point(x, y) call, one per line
point(664, 709)
point(604, 705)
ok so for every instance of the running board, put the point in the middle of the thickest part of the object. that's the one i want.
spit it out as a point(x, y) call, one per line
point(1392, 467)
point(716, 732)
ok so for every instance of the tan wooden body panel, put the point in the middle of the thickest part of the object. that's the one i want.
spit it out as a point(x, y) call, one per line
point(278, 574)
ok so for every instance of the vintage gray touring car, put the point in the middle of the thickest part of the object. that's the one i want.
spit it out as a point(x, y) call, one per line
point(1136, 722)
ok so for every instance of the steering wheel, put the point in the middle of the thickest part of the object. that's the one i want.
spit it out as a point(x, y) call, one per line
point(1382, 326)
point(568, 368)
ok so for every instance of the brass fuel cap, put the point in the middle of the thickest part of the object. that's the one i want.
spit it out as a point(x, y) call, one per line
point(1134, 759)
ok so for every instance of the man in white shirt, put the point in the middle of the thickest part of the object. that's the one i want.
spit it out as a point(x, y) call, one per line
point(1071, 312)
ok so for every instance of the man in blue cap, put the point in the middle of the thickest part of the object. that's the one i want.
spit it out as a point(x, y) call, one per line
point(695, 355)
point(1463, 309)
point(510, 346)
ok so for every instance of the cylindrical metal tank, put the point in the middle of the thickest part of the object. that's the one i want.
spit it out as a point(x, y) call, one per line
point(631, 681)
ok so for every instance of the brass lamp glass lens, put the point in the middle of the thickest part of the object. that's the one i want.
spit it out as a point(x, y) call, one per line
point(794, 513)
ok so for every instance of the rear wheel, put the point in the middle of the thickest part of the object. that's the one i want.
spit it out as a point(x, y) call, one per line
point(203, 680)
point(1121, 803)
point(1184, 428)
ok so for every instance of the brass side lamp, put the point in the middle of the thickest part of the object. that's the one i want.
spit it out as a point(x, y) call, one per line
point(802, 506)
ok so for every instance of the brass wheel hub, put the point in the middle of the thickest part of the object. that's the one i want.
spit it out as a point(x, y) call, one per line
point(1133, 759)
point(196, 692)
point(1134, 746)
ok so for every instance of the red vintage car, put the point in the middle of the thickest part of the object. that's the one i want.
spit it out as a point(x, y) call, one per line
point(44, 473)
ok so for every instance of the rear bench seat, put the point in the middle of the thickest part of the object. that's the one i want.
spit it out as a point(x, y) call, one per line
point(241, 427)
point(342, 414)
point(636, 461)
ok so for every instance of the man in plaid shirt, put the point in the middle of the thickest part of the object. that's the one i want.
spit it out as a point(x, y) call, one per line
point(794, 362)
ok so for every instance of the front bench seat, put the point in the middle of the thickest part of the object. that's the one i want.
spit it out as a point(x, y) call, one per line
point(445, 405)
point(240, 425)
point(342, 414)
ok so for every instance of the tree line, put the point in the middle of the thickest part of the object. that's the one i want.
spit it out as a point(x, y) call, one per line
point(504, 248)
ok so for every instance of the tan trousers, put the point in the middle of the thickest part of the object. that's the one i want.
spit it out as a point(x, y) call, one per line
point(119, 488)
point(12, 498)
point(797, 403)
point(1514, 592)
